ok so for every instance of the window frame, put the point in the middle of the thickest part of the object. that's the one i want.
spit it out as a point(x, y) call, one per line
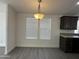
point(38, 37)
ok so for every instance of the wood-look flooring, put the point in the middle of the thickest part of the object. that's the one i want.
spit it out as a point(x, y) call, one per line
point(40, 53)
point(2, 50)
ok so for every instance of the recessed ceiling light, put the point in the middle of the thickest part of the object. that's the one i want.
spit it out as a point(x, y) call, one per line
point(77, 3)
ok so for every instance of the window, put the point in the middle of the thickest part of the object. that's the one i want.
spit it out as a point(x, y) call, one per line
point(44, 29)
point(31, 28)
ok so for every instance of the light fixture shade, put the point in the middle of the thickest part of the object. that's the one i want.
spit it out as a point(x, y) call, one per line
point(39, 16)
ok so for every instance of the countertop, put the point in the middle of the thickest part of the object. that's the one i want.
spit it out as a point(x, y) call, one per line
point(69, 35)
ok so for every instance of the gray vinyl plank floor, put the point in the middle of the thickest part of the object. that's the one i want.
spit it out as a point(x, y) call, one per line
point(2, 50)
point(41, 53)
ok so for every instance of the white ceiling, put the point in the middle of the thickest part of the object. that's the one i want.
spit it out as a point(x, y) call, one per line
point(47, 6)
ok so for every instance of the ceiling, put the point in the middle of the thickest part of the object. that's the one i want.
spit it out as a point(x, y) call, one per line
point(47, 6)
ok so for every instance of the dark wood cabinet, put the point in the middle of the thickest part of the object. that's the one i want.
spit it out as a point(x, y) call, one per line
point(69, 44)
point(68, 22)
point(66, 44)
point(75, 45)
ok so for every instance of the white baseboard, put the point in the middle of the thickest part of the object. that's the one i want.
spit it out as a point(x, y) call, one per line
point(8, 51)
point(46, 46)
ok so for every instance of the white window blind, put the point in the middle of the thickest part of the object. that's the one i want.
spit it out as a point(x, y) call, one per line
point(44, 29)
point(31, 28)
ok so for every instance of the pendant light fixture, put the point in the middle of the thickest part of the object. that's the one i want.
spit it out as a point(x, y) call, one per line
point(39, 15)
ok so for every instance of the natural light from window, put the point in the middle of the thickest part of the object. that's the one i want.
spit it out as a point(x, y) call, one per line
point(44, 29)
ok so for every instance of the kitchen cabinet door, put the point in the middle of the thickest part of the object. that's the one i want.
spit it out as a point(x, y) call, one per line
point(68, 22)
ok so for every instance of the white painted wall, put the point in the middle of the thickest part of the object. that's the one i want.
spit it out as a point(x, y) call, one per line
point(3, 22)
point(20, 33)
point(10, 30)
